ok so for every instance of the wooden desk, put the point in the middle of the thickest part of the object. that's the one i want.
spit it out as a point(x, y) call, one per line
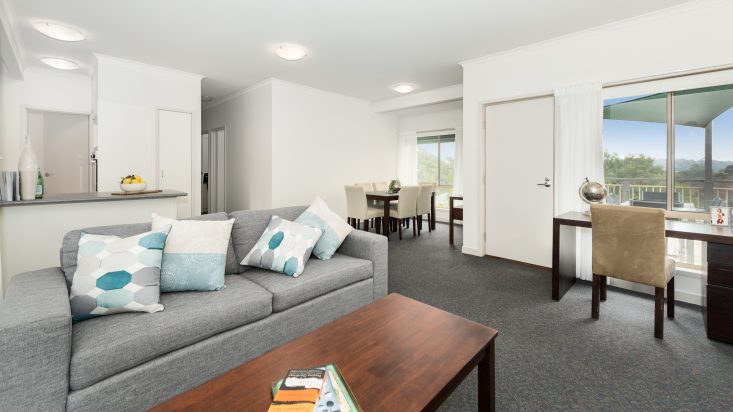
point(454, 213)
point(719, 308)
point(386, 198)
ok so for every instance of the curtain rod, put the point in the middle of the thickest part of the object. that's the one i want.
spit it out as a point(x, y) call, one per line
point(619, 83)
point(671, 75)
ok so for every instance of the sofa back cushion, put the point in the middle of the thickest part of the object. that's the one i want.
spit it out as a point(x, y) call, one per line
point(250, 224)
point(70, 243)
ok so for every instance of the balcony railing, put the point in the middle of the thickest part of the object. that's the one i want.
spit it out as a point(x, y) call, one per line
point(689, 192)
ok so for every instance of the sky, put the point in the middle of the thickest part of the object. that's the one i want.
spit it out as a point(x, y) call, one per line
point(627, 137)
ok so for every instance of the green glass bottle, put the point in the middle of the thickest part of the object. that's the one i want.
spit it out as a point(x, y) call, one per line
point(40, 186)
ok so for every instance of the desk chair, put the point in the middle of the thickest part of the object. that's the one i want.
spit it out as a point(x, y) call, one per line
point(629, 243)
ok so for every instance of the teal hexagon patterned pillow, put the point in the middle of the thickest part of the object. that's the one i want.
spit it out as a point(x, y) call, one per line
point(116, 275)
point(284, 247)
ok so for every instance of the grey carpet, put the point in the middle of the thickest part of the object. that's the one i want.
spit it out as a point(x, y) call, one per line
point(551, 355)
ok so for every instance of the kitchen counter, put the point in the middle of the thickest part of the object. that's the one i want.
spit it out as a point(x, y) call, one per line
point(91, 197)
point(31, 230)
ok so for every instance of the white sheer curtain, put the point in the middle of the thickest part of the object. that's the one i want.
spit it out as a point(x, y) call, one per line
point(458, 163)
point(407, 158)
point(578, 154)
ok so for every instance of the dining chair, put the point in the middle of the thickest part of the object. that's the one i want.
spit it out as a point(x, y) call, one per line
point(357, 207)
point(629, 243)
point(368, 186)
point(423, 204)
point(406, 207)
point(381, 186)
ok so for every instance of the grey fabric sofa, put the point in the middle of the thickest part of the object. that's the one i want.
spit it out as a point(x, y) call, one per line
point(132, 361)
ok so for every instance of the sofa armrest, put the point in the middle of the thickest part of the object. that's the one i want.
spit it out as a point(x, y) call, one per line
point(35, 342)
point(369, 246)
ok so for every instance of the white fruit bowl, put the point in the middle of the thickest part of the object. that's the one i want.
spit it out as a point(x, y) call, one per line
point(133, 187)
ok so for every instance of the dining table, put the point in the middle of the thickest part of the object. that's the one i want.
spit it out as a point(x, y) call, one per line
point(386, 198)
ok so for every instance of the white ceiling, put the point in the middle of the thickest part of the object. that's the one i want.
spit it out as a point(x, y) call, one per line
point(356, 48)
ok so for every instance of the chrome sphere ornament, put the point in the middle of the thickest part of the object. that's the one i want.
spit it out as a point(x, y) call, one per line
point(592, 193)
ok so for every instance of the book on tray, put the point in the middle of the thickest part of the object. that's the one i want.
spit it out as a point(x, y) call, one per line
point(320, 389)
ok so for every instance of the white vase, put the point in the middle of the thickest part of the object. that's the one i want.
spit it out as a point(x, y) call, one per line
point(28, 168)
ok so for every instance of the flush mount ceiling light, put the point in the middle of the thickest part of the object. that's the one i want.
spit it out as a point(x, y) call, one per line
point(291, 51)
point(59, 63)
point(404, 87)
point(58, 31)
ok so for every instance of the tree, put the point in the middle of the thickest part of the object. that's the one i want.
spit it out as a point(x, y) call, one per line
point(639, 167)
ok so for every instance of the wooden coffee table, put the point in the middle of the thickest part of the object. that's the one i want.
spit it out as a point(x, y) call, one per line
point(396, 354)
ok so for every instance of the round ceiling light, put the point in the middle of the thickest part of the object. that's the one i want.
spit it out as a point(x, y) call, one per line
point(404, 87)
point(291, 51)
point(59, 63)
point(59, 31)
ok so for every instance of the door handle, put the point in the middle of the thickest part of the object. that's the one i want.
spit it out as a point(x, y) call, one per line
point(546, 183)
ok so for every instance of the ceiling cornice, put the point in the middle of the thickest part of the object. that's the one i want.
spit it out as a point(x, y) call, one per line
point(612, 26)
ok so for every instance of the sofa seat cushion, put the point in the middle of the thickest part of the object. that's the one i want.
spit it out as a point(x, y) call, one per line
point(105, 346)
point(319, 278)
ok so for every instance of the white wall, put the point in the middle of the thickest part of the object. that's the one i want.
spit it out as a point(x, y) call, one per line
point(440, 120)
point(44, 89)
point(323, 141)
point(694, 35)
point(128, 96)
point(247, 117)
point(287, 143)
point(690, 36)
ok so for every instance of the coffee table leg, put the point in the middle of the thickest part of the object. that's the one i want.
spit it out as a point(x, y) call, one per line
point(486, 381)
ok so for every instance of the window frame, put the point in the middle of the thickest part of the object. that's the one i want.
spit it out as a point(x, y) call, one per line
point(670, 160)
point(438, 134)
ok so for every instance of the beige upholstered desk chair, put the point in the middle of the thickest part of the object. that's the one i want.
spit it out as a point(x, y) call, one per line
point(381, 186)
point(406, 207)
point(423, 204)
point(629, 243)
point(357, 207)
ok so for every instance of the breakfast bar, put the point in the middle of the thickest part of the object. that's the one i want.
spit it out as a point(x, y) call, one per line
point(31, 230)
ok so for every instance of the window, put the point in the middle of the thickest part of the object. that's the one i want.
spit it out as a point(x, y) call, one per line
point(436, 155)
point(688, 132)
point(679, 139)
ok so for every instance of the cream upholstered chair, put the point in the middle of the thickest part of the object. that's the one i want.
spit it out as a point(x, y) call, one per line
point(423, 204)
point(381, 186)
point(629, 243)
point(357, 207)
point(406, 207)
point(368, 186)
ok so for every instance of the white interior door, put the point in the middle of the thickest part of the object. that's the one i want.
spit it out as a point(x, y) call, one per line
point(61, 143)
point(205, 172)
point(174, 156)
point(219, 148)
point(519, 160)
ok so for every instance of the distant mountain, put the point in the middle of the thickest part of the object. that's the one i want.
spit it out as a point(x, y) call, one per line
point(685, 164)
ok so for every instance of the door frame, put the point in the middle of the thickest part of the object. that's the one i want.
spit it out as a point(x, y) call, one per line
point(24, 109)
point(484, 105)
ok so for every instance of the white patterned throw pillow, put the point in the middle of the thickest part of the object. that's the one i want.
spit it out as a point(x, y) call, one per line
point(335, 229)
point(116, 274)
point(284, 247)
point(195, 254)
